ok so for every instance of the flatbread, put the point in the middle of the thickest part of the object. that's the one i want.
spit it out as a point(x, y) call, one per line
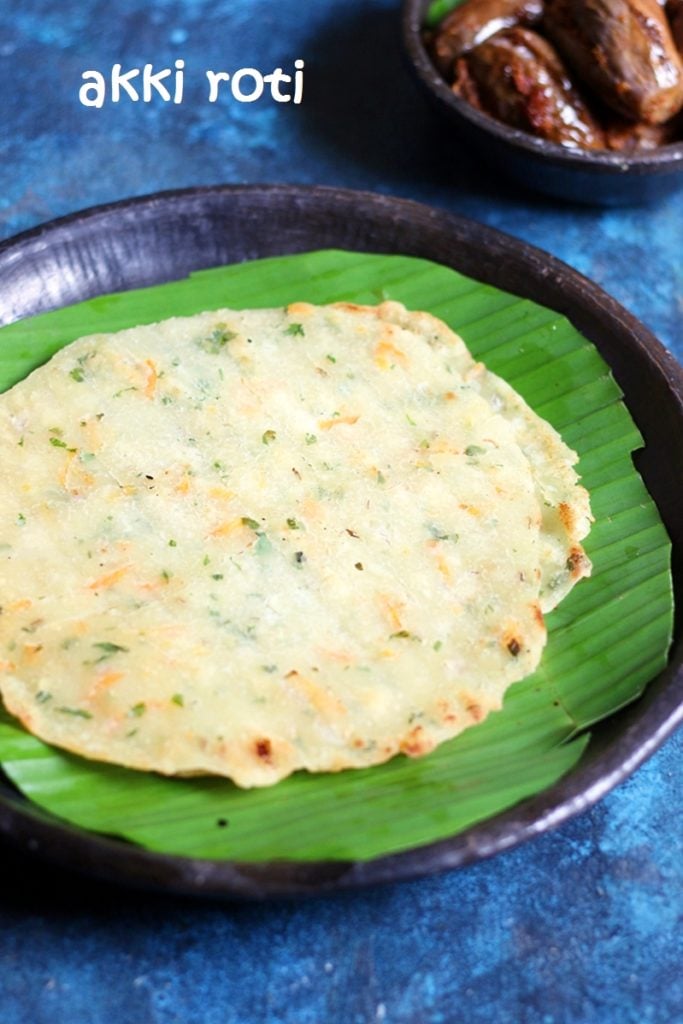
point(246, 543)
point(565, 506)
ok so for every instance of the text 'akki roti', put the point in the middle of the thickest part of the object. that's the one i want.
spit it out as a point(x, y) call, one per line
point(246, 543)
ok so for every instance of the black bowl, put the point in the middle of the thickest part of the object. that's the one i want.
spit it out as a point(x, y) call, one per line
point(601, 178)
point(165, 237)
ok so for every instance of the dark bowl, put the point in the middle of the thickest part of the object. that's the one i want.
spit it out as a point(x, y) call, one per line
point(601, 178)
point(165, 237)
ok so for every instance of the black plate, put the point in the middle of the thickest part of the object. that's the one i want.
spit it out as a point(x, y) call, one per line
point(165, 237)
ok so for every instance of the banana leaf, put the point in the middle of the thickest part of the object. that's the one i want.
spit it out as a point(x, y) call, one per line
point(438, 10)
point(606, 640)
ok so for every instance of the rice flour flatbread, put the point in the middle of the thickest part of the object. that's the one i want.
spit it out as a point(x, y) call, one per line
point(246, 543)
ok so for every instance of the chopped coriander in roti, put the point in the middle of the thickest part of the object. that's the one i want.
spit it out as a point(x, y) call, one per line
point(246, 543)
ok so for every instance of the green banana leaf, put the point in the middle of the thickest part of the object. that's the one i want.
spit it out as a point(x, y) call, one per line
point(438, 10)
point(606, 640)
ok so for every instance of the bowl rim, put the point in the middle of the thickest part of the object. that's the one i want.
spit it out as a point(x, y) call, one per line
point(663, 160)
point(642, 727)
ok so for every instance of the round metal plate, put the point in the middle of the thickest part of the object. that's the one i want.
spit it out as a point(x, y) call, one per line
point(164, 237)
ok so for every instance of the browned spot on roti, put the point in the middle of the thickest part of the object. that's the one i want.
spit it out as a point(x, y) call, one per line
point(415, 743)
point(353, 307)
point(576, 562)
point(447, 712)
point(264, 750)
point(567, 516)
point(475, 711)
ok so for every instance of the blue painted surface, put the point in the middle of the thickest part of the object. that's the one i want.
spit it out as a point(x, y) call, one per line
point(580, 927)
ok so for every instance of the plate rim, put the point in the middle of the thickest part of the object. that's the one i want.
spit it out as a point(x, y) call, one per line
point(637, 737)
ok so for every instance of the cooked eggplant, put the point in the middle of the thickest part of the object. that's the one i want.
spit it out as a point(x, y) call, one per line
point(623, 50)
point(675, 11)
point(474, 21)
point(637, 137)
point(517, 77)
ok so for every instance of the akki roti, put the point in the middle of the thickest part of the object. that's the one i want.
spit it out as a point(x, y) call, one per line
point(247, 543)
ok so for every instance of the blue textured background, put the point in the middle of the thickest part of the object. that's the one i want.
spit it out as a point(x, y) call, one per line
point(581, 926)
